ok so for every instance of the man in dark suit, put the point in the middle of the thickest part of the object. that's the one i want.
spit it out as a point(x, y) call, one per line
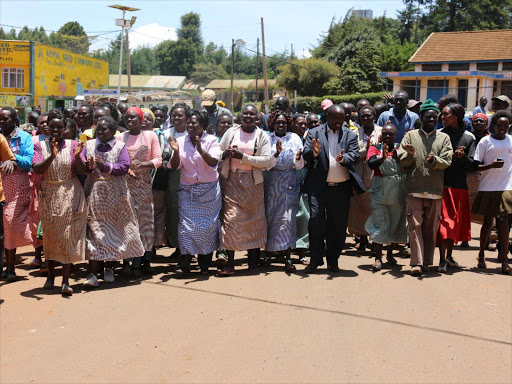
point(330, 152)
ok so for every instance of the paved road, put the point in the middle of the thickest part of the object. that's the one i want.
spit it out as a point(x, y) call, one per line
point(357, 326)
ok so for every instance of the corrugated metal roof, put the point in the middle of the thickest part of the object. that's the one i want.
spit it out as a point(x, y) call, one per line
point(148, 81)
point(465, 46)
point(247, 83)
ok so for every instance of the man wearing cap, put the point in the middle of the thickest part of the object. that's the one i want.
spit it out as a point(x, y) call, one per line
point(325, 104)
point(499, 103)
point(208, 102)
point(414, 106)
point(425, 153)
point(399, 115)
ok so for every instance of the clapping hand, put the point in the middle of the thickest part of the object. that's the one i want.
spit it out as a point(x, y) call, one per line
point(315, 143)
point(430, 158)
point(55, 148)
point(409, 149)
point(198, 145)
point(298, 155)
point(100, 163)
point(340, 158)
point(78, 149)
point(91, 163)
point(174, 144)
point(459, 152)
point(279, 148)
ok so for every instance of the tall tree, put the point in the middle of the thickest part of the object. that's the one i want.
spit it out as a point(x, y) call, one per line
point(205, 72)
point(143, 62)
point(73, 38)
point(179, 57)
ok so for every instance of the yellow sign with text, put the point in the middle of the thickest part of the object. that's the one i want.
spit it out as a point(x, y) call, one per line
point(64, 74)
point(8, 101)
point(15, 66)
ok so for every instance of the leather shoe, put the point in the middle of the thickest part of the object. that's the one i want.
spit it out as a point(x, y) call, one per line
point(333, 268)
point(311, 268)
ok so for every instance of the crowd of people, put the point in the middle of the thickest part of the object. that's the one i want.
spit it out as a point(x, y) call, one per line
point(111, 185)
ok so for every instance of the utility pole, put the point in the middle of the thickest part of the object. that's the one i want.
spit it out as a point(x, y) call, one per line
point(232, 75)
point(128, 69)
point(120, 63)
point(292, 56)
point(257, 65)
point(264, 65)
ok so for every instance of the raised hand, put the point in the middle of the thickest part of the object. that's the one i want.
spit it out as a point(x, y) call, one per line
point(100, 163)
point(198, 145)
point(55, 148)
point(79, 148)
point(340, 157)
point(174, 144)
point(279, 148)
point(459, 152)
point(409, 149)
point(91, 163)
point(317, 147)
point(298, 155)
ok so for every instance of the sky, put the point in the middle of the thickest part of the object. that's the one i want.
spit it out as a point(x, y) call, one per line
point(297, 22)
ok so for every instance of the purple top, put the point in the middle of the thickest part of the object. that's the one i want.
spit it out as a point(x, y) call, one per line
point(118, 168)
point(38, 152)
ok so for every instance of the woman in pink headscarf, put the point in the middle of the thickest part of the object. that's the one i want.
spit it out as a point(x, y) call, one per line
point(145, 155)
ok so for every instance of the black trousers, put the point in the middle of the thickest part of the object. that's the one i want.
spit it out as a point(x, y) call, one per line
point(328, 222)
point(2, 235)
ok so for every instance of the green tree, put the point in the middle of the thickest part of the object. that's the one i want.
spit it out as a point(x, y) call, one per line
point(205, 72)
point(359, 60)
point(307, 76)
point(73, 38)
point(179, 57)
point(143, 62)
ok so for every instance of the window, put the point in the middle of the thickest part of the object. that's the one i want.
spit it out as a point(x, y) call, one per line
point(62, 76)
point(458, 67)
point(412, 87)
point(13, 78)
point(490, 66)
point(431, 67)
point(507, 65)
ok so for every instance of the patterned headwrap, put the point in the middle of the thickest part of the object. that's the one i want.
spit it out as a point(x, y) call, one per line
point(138, 111)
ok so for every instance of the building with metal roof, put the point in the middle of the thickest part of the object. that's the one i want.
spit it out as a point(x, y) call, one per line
point(148, 82)
point(469, 64)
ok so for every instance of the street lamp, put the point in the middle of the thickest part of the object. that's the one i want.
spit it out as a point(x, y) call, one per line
point(123, 24)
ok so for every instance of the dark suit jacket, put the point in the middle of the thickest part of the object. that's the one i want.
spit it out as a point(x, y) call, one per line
point(318, 167)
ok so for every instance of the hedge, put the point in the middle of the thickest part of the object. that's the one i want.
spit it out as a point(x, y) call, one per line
point(312, 104)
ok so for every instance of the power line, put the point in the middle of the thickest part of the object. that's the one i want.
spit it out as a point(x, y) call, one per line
point(48, 30)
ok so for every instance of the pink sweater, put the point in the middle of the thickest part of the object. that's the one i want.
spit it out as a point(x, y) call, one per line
point(151, 139)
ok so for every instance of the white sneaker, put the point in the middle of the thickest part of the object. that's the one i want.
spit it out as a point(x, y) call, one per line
point(109, 275)
point(91, 282)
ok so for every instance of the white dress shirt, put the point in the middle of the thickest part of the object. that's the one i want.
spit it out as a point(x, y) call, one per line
point(337, 172)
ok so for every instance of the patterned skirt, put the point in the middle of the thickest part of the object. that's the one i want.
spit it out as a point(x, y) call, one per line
point(63, 213)
point(244, 225)
point(112, 230)
point(142, 202)
point(302, 237)
point(281, 206)
point(199, 224)
point(17, 221)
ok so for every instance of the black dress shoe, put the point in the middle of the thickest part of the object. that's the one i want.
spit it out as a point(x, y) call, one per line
point(311, 268)
point(289, 267)
point(333, 268)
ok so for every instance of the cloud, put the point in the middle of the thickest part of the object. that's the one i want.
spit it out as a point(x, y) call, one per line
point(304, 54)
point(151, 35)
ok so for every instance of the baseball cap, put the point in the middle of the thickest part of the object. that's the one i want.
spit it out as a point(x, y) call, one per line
point(207, 98)
point(502, 98)
point(412, 103)
point(326, 103)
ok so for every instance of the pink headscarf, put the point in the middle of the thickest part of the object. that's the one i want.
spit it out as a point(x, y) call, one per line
point(482, 115)
point(138, 111)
